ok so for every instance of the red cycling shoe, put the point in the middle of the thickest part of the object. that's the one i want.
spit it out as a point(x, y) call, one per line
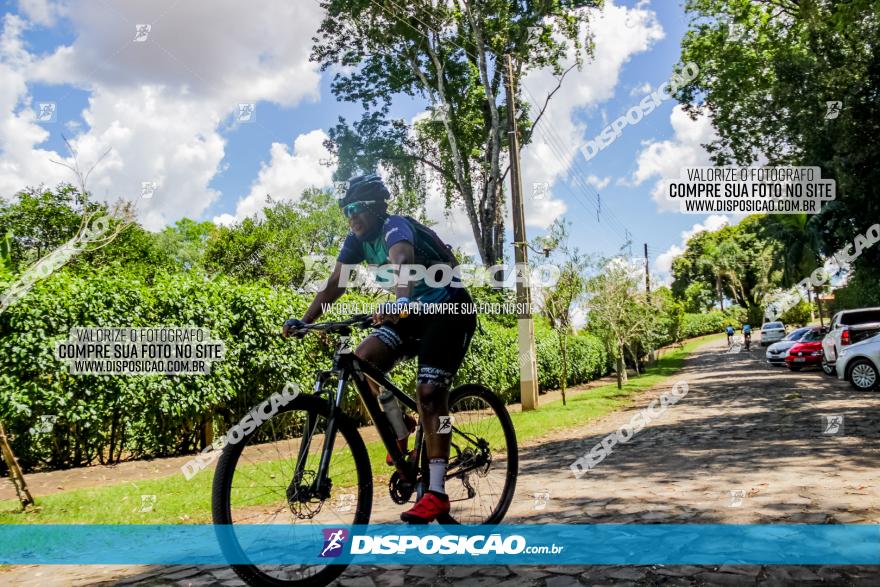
point(403, 443)
point(429, 508)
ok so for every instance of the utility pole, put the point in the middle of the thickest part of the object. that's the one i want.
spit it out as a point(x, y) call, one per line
point(651, 356)
point(528, 372)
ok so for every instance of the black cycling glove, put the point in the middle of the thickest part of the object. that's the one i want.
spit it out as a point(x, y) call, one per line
point(292, 328)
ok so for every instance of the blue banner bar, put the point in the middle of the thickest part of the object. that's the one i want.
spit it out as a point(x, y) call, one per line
point(602, 544)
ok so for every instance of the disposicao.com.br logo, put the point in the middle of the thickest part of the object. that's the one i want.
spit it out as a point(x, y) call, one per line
point(493, 544)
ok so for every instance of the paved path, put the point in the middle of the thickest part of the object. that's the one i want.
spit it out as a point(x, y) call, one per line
point(747, 444)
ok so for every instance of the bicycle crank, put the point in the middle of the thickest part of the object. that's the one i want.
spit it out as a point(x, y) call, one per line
point(400, 489)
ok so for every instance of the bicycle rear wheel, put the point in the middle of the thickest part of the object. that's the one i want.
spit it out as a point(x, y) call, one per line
point(483, 458)
point(267, 478)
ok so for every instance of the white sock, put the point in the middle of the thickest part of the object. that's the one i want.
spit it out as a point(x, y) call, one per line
point(437, 475)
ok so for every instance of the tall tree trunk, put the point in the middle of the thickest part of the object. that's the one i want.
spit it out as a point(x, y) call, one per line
point(15, 473)
point(621, 367)
point(121, 441)
point(810, 302)
point(563, 349)
point(819, 303)
point(207, 432)
point(113, 425)
point(720, 293)
point(635, 357)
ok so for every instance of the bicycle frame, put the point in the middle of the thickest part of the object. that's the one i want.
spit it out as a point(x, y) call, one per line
point(346, 365)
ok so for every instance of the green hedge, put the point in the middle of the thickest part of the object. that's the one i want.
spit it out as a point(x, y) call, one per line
point(712, 322)
point(153, 416)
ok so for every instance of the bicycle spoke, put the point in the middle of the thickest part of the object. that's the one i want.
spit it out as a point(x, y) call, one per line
point(271, 485)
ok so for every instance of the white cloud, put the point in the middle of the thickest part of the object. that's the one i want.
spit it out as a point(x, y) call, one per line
point(224, 220)
point(597, 182)
point(452, 226)
point(642, 90)
point(620, 33)
point(42, 12)
point(663, 263)
point(158, 104)
point(665, 159)
point(712, 223)
point(289, 173)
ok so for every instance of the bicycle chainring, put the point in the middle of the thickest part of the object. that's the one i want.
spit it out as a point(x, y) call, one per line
point(400, 489)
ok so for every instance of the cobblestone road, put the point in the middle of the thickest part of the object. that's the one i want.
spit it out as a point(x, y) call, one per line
point(748, 444)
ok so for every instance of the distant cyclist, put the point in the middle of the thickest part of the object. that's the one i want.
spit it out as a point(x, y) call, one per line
point(747, 335)
point(730, 332)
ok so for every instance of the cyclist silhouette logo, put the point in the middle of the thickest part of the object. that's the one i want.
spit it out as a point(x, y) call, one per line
point(445, 424)
point(333, 541)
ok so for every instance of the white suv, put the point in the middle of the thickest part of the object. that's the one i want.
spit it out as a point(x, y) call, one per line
point(848, 327)
point(772, 332)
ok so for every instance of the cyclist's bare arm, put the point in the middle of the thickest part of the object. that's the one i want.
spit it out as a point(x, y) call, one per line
point(328, 295)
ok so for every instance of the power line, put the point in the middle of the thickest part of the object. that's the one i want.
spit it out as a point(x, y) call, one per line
point(555, 144)
point(577, 169)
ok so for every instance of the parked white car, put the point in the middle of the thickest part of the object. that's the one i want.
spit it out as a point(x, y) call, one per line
point(860, 364)
point(772, 332)
point(847, 328)
point(777, 351)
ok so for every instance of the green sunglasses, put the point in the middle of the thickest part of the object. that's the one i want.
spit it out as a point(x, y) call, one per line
point(356, 207)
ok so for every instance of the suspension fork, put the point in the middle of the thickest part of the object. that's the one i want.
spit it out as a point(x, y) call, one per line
point(322, 484)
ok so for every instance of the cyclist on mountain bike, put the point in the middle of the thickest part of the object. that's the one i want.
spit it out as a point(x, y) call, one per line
point(747, 335)
point(440, 341)
point(730, 332)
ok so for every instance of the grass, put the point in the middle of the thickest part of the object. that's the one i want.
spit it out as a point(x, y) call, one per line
point(180, 501)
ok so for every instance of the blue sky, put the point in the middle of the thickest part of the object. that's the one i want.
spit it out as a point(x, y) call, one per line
point(166, 108)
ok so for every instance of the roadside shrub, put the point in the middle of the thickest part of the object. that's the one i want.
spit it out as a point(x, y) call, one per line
point(797, 315)
point(111, 417)
point(701, 324)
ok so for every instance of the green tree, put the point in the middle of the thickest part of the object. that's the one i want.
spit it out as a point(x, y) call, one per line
point(275, 247)
point(739, 261)
point(698, 297)
point(768, 88)
point(618, 312)
point(561, 299)
point(40, 220)
point(454, 55)
point(801, 251)
point(6, 266)
point(186, 242)
point(668, 328)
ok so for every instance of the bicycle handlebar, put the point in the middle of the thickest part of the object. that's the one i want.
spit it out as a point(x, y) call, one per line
point(358, 321)
point(362, 321)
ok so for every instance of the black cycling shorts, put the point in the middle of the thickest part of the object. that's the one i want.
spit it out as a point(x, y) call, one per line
point(440, 341)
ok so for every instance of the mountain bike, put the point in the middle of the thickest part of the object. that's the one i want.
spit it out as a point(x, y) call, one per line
point(309, 463)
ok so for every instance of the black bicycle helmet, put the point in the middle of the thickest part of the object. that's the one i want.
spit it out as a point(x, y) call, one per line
point(364, 188)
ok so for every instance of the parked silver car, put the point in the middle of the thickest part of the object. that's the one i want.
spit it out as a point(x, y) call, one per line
point(860, 364)
point(777, 351)
point(772, 332)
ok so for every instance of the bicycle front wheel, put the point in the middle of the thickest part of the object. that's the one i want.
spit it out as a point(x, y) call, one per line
point(269, 477)
point(483, 457)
